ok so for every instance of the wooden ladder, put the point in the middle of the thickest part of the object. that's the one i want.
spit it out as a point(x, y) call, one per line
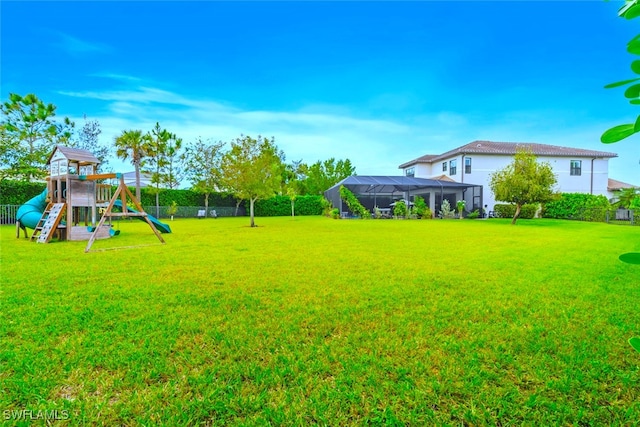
point(48, 223)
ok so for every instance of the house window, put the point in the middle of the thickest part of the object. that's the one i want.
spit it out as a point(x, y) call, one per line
point(467, 165)
point(444, 166)
point(452, 167)
point(410, 172)
point(576, 167)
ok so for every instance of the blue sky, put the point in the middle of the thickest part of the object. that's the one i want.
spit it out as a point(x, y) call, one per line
point(379, 83)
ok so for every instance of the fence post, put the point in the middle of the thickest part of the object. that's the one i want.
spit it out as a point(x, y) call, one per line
point(631, 212)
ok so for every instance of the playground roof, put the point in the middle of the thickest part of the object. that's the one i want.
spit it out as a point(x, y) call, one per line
point(75, 155)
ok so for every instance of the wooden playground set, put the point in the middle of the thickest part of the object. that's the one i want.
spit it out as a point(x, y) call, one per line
point(75, 206)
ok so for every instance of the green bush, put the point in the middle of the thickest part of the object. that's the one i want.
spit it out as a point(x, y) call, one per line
point(335, 213)
point(183, 198)
point(326, 207)
point(353, 203)
point(309, 205)
point(18, 192)
point(281, 206)
point(588, 207)
point(446, 211)
point(400, 209)
point(509, 210)
point(474, 215)
point(419, 206)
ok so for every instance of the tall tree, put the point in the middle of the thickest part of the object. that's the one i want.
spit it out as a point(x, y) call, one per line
point(172, 171)
point(159, 140)
point(87, 138)
point(292, 181)
point(29, 135)
point(133, 145)
point(252, 170)
point(524, 181)
point(321, 176)
point(201, 161)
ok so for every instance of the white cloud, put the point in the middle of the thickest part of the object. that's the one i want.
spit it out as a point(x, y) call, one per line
point(75, 46)
point(375, 147)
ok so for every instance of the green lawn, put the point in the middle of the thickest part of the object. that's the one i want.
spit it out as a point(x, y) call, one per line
point(313, 320)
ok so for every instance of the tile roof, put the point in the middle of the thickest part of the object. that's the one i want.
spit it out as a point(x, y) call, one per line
point(509, 149)
point(443, 178)
point(614, 185)
point(423, 159)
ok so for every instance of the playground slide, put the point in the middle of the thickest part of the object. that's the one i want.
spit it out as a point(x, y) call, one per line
point(161, 226)
point(30, 213)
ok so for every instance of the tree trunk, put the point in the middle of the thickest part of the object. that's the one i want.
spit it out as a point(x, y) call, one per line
point(137, 168)
point(251, 200)
point(292, 208)
point(237, 206)
point(157, 202)
point(517, 214)
point(206, 205)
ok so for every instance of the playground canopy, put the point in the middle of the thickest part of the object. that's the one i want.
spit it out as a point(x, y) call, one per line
point(386, 189)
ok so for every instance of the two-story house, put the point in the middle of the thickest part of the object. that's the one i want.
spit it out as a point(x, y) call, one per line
point(577, 170)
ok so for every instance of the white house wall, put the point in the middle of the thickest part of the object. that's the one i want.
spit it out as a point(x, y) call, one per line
point(421, 170)
point(590, 181)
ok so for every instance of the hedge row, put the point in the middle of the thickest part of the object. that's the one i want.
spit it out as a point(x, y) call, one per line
point(183, 198)
point(577, 206)
point(281, 206)
point(18, 192)
point(508, 211)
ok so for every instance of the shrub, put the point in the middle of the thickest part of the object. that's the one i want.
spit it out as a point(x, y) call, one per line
point(326, 207)
point(18, 192)
point(427, 214)
point(183, 198)
point(281, 206)
point(419, 206)
point(460, 205)
point(588, 207)
point(474, 215)
point(509, 210)
point(400, 209)
point(446, 211)
point(335, 213)
point(353, 203)
point(172, 209)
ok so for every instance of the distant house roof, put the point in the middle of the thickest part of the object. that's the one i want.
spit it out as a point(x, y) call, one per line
point(509, 149)
point(614, 185)
point(443, 178)
point(75, 155)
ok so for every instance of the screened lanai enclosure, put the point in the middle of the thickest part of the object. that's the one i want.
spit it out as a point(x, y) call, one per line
point(383, 191)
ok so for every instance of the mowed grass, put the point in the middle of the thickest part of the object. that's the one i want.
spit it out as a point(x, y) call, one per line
point(317, 321)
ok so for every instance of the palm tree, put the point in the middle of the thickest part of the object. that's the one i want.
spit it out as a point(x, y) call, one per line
point(132, 144)
point(626, 196)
